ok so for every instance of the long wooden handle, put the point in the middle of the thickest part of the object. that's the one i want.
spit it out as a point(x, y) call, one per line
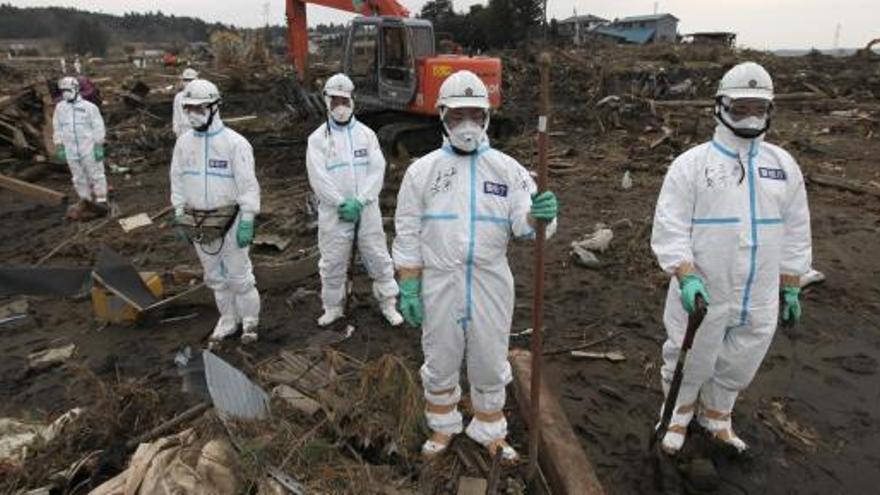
point(538, 303)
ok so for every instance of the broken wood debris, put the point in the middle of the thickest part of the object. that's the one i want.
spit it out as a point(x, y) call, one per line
point(39, 193)
point(561, 458)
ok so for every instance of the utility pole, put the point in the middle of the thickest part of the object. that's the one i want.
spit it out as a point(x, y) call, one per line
point(837, 39)
point(656, 8)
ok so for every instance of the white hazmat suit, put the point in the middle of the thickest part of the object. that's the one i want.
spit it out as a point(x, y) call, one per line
point(346, 161)
point(736, 209)
point(79, 127)
point(455, 217)
point(210, 170)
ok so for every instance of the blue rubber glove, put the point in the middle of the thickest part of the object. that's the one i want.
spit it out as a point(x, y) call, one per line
point(245, 234)
point(350, 210)
point(61, 153)
point(544, 206)
point(690, 286)
point(411, 300)
point(791, 305)
point(181, 233)
point(98, 151)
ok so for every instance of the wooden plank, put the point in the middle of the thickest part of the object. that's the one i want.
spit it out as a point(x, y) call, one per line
point(471, 486)
point(566, 466)
point(843, 184)
point(39, 193)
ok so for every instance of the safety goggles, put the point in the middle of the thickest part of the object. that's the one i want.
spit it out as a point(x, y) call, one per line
point(196, 109)
point(455, 116)
point(748, 107)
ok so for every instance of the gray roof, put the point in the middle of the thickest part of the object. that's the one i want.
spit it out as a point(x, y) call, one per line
point(641, 18)
point(583, 18)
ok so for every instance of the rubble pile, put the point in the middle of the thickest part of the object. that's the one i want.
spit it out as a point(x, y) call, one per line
point(619, 116)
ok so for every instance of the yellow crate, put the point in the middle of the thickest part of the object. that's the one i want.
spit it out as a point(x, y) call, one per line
point(111, 308)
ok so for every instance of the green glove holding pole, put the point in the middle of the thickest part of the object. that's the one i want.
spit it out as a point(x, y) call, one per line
point(690, 286)
point(350, 210)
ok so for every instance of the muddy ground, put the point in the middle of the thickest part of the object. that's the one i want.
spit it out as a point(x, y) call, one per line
point(812, 415)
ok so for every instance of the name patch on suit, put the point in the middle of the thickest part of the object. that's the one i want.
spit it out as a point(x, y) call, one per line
point(361, 153)
point(218, 164)
point(78, 109)
point(771, 173)
point(495, 189)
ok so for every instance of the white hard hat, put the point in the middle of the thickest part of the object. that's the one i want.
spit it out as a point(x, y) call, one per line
point(339, 85)
point(200, 92)
point(746, 80)
point(68, 83)
point(463, 89)
point(189, 74)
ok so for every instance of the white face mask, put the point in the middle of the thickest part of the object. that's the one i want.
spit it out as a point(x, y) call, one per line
point(341, 113)
point(751, 123)
point(197, 120)
point(466, 136)
point(68, 94)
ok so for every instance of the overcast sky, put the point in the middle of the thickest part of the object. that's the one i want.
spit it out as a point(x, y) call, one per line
point(762, 24)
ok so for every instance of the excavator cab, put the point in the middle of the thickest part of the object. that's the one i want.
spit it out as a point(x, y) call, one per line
point(381, 54)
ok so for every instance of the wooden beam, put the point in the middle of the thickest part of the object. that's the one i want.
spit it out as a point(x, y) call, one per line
point(561, 457)
point(843, 184)
point(39, 193)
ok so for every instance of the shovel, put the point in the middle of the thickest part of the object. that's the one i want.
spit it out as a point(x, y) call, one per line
point(694, 321)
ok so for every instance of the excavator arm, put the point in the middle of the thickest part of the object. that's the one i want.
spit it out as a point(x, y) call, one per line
point(298, 32)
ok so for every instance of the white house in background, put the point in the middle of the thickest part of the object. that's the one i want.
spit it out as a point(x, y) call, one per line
point(640, 30)
point(580, 24)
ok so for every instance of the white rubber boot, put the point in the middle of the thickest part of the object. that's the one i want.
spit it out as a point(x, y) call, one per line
point(225, 327)
point(389, 311)
point(718, 424)
point(249, 331)
point(330, 315)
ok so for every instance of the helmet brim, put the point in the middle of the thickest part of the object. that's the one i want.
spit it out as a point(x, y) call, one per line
point(743, 93)
point(465, 102)
point(197, 102)
point(337, 92)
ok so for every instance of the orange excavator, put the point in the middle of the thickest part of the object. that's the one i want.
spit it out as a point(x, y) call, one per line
point(392, 61)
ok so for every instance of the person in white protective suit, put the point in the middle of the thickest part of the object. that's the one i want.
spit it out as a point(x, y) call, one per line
point(457, 209)
point(213, 167)
point(179, 122)
point(732, 225)
point(346, 171)
point(78, 134)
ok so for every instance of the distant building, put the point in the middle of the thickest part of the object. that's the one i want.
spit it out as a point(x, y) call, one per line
point(713, 38)
point(580, 24)
point(641, 30)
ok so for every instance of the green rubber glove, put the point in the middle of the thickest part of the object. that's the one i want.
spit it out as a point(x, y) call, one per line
point(690, 286)
point(98, 151)
point(61, 153)
point(350, 210)
point(181, 233)
point(791, 305)
point(544, 206)
point(245, 233)
point(411, 301)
